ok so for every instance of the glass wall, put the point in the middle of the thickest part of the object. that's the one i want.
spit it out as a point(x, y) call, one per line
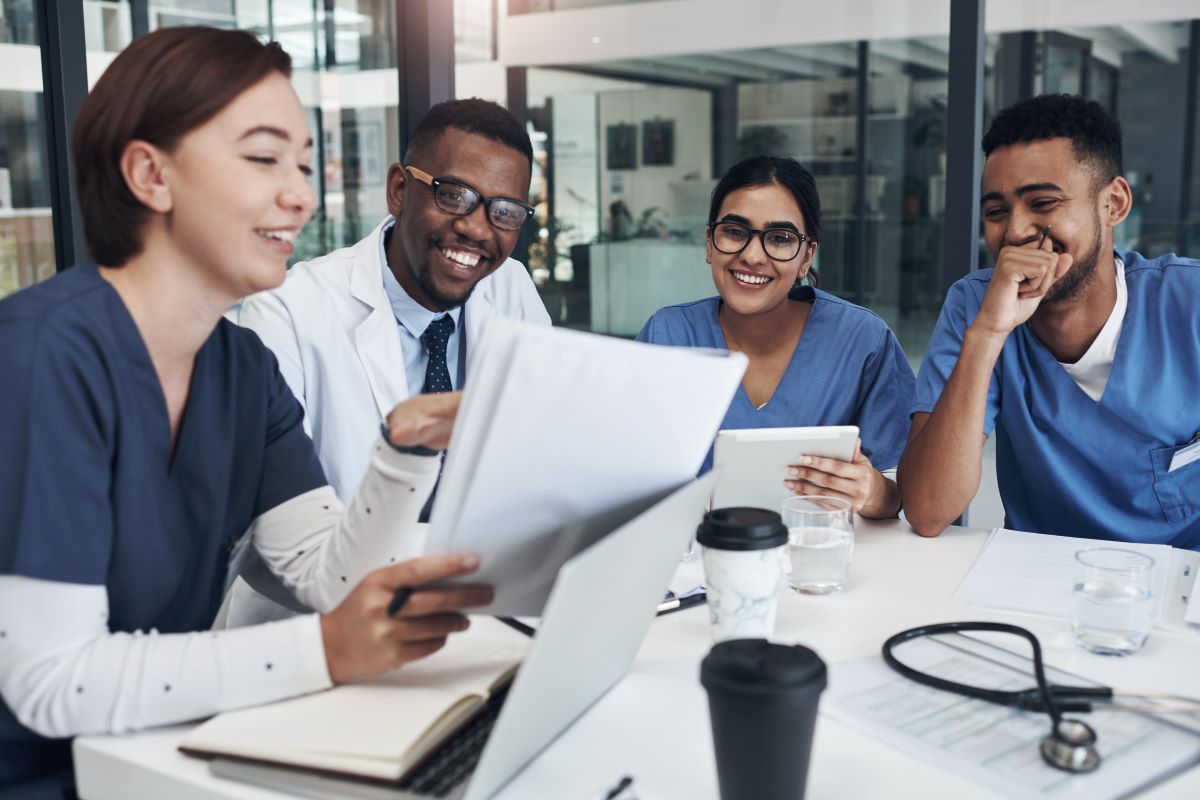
point(898, 264)
point(629, 150)
point(1142, 72)
point(26, 225)
point(474, 31)
point(345, 73)
point(1139, 72)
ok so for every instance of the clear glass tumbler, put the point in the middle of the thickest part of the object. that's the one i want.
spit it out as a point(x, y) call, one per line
point(1114, 606)
point(820, 542)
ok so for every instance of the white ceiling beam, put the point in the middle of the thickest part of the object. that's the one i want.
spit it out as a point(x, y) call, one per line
point(651, 71)
point(907, 52)
point(718, 64)
point(1106, 46)
point(789, 65)
point(1158, 38)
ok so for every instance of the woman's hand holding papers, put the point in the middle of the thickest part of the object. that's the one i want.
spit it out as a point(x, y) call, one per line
point(424, 420)
point(870, 493)
point(362, 640)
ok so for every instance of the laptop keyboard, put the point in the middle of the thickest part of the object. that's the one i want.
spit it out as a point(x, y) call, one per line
point(454, 760)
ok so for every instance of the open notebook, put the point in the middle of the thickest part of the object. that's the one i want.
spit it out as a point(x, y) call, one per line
point(377, 729)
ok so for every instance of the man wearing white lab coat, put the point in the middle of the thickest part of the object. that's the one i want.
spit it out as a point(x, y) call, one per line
point(347, 328)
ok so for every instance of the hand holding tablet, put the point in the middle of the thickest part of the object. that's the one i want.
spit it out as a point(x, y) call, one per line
point(753, 463)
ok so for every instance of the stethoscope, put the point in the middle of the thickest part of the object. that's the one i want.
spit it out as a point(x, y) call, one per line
point(1071, 744)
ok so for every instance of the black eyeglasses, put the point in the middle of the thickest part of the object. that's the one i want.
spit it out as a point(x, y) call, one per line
point(459, 199)
point(780, 244)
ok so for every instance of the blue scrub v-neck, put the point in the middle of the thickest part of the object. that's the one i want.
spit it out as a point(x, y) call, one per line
point(846, 369)
point(781, 404)
point(1072, 466)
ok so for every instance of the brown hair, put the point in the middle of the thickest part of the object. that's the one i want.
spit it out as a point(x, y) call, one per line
point(162, 86)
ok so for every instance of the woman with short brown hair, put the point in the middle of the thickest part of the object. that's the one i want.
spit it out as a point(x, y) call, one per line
point(146, 443)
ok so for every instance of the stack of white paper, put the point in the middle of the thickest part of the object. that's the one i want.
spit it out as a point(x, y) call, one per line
point(993, 745)
point(563, 436)
point(1036, 572)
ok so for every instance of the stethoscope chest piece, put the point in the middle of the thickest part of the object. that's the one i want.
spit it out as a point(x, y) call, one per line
point(1071, 746)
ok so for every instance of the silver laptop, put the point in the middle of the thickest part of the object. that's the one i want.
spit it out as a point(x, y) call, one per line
point(569, 666)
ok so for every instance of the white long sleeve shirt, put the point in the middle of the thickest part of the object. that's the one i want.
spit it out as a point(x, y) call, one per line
point(64, 673)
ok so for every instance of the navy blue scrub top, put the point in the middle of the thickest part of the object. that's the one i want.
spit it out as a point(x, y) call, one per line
point(847, 369)
point(90, 491)
point(1072, 466)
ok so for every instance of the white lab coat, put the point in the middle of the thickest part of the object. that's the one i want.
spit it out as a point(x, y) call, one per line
point(331, 327)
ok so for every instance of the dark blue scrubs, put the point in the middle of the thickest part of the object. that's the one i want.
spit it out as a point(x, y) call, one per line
point(847, 369)
point(90, 491)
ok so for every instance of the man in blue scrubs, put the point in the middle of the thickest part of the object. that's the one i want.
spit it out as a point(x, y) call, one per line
point(1084, 359)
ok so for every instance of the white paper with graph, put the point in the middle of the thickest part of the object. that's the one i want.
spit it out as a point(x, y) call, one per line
point(997, 746)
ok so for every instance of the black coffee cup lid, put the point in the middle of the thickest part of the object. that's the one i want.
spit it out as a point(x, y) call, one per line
point(741, 529)
point(758, 664)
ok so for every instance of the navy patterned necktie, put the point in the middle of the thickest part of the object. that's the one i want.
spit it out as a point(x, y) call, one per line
point(435, 338)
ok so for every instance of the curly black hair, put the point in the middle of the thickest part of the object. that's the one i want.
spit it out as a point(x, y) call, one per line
point(1095, 136)
point(480, 117)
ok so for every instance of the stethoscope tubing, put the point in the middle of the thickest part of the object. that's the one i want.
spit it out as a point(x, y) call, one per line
point(1044, 698)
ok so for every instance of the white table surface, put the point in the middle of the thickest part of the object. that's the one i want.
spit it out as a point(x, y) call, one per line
point(654, 724)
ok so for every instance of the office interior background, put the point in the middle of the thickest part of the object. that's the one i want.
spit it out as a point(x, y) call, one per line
point(635, 108)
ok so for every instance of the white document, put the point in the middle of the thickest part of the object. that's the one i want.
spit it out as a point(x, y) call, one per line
point(1184, 457)
point(562, 437)
point(997, 746)
point(1036, 572)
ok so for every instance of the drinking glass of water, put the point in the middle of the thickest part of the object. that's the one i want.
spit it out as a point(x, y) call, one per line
point(820, 542)
point(1114, 608)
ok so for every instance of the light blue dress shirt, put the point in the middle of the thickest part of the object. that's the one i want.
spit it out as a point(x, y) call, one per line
point(847, 369)
point(412, 319)
point(1073, 466)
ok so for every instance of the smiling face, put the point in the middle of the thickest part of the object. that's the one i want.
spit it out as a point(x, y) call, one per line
point(749, 282)
point(1030, 186)
point(237, 191)
point(439, 257)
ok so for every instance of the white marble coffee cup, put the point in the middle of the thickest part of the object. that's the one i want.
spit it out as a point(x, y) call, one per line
point(743, 570)
point(743, 591)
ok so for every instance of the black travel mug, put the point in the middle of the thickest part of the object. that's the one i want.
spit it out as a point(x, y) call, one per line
point(762, 700)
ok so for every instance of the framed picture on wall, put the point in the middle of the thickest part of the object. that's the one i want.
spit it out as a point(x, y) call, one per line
point(621, 140)
point(658, 142)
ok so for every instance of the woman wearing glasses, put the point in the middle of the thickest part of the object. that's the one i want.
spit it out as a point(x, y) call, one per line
point(146, 443)
point(814, 359)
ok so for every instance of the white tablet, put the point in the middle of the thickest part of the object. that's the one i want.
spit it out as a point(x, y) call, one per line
point(753, 463)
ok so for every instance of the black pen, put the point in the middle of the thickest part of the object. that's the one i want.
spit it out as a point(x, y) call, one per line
point(398, 600)
point(617, 790)
point(1045, 236)
point(679, 604)
point(517, 625)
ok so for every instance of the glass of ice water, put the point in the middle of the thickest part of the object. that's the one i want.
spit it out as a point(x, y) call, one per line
point(820, 542)
point(1114, 608)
